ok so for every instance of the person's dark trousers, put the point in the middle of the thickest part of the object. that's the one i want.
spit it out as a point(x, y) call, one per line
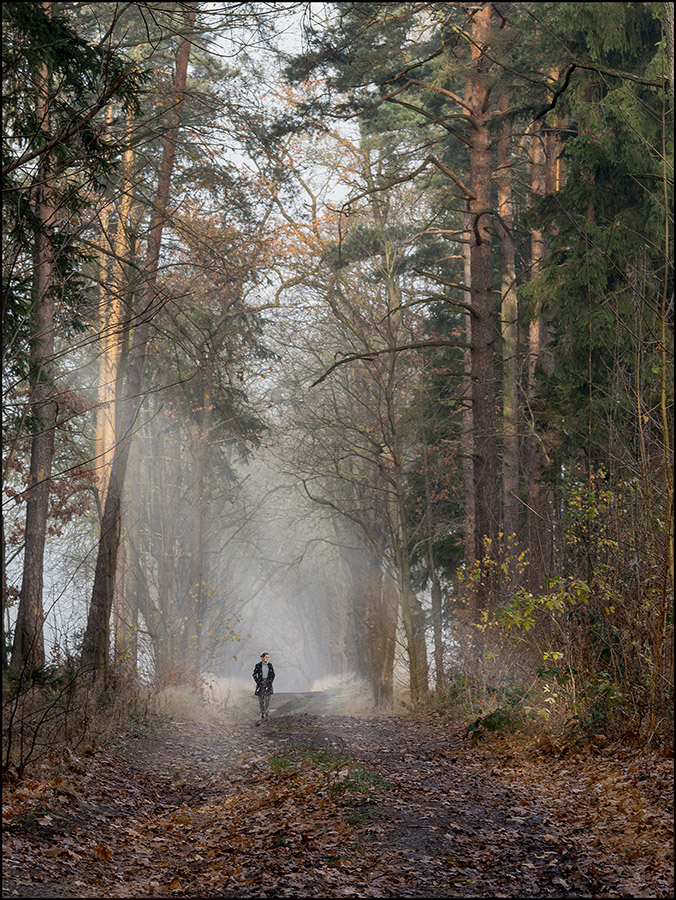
point(264, 701)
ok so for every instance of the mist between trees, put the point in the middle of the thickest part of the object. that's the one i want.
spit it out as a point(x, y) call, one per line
point(342, 331)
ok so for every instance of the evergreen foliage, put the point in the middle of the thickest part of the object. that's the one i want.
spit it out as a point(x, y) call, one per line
point(83, 155)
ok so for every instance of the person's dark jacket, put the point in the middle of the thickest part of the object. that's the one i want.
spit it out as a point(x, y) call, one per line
point(258, 678)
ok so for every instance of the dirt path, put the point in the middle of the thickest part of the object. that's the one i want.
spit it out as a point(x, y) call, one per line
point(319, 806)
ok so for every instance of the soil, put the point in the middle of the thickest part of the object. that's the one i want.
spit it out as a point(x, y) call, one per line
point(338, 806)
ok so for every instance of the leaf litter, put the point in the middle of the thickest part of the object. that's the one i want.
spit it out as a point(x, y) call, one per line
point(328, 806)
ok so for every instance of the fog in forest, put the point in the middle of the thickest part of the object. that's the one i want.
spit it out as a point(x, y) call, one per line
point(278, 556)
point(282, 572)
point(342, 339)
point(276, 562)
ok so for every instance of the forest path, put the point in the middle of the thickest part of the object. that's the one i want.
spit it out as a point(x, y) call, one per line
point(337, 806)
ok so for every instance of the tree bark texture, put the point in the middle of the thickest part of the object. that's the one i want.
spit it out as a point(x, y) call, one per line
point(125, 615)
point(429, 523)
point(391, 467)
point(544, 175)
point(668, 18)
point(467, 433)
point(509, 329)
point(486, 496)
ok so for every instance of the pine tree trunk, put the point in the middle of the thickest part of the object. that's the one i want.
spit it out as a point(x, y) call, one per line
point(486, 496)
point(105, 410)
point(533, 453)
point(546, 173)
point(509, 329)
point(28, 646)
point(668, 20)
point(111, 294)
point(125, 603)
point(467, 433)
point(96, 640)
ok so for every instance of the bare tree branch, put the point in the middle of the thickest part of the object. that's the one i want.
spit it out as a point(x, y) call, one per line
point(370, 355)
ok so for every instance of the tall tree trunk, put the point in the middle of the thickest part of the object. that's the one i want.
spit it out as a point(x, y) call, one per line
point(486, 496)
point(358, 649)
point(125, 600)
point(391, 467)
point(384, 648)
point(547, 173)
point(96, 639)
point(374, 604)
point(105, 410)
point(413, 618)
point(668, 25)
point(437, 620)
point(28, 646)
point(509, 329)
point(429, 524)
point(125, 616)
point(128, 589)
point(412, 614)
point(467, 433)
point(414, 632)
point(537, 536)
point(197, 594)
point(111, 296)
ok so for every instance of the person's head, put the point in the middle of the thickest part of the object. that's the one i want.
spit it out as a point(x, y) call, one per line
point(265, 657)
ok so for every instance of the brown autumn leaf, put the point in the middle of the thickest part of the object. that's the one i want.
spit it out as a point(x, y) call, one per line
point(103, 853)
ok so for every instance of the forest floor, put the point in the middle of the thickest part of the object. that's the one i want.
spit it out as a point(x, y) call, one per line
point(338, 806)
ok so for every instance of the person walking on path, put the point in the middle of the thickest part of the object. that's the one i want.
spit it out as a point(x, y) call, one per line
point(264, 675)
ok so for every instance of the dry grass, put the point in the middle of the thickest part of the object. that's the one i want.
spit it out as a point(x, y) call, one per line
point(182, 702)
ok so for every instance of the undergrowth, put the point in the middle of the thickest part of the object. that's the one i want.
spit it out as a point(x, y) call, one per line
point(542, 705)
point(52, 710)
point(582, 650)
